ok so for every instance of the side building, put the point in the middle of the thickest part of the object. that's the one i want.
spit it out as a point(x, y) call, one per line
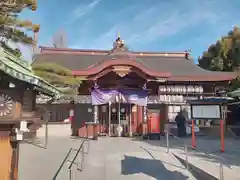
point(19, 116)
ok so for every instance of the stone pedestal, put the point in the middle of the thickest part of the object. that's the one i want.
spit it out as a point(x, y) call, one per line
point(92, 130)
point(144, 129)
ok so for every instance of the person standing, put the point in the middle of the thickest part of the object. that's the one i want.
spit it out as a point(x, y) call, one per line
point(181, 124)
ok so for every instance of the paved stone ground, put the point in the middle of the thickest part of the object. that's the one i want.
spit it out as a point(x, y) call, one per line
point(209, 163)
point(121, 158)
point(108, 159)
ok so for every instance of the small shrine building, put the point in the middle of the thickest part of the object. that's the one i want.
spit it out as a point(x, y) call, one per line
point(18, 89)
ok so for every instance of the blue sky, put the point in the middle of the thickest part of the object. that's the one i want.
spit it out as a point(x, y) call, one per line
point(145, 25)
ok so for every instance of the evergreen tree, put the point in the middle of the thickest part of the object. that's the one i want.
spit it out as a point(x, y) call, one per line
point(10, 23)
point(13, 28)
point(224, 55)
point(59, 76)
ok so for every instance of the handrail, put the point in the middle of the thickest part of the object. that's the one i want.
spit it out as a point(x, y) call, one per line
point(73, 160)
point(63, 162)
point(187, 144)
point(75, 157)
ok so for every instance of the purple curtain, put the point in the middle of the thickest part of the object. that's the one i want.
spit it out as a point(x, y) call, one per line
point(138, 97)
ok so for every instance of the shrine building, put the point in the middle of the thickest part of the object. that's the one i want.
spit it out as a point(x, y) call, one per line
point(132, 90)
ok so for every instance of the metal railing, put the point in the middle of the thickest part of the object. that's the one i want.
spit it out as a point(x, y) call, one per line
point(62, 164)
point(73, 161)
point(45, 143)
point(187, 145)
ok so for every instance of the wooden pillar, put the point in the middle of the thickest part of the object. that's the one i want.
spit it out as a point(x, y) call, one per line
point(5, 155)
point(134, 119)
point(95, 113)
point(14, 161)
point(130, 120)
point(139, 118)
point(17, 110)
point(163, 117)
point(145, 119)
point(95, 124)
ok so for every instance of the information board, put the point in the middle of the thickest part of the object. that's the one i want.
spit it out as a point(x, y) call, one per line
point(206, 111)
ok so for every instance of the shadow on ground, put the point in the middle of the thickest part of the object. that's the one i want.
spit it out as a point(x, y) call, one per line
point(151, 167)
point(206, 145)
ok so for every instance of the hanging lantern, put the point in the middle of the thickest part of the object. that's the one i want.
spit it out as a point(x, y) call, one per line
point(161, 88)
point(164, 89)
point(181, 99)
point(117, 99)
point(165, 98)
point(161, 98)
point(194, 89)
point(168, 89)
point(176, 89)
point(180, 89)
point(174, 98)
point(190, 89)
point(199, 89)
point(184, 89)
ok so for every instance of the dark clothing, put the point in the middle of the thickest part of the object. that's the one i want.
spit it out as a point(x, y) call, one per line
point(180, 120)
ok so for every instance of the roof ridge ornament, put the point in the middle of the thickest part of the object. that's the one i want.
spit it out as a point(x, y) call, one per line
point(187, 54)
point(120, 49)
point(118, 43)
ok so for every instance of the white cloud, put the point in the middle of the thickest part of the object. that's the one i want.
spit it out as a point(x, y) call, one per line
point(161, 20)
point(82, 10)
point(171, 25)
point(158, 21)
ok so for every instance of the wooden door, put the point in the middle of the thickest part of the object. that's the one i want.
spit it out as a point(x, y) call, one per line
point(5, 156)
point(154, 122)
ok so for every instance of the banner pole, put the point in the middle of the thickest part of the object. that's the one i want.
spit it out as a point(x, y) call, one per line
point(119, 116)
point(222, 135)
point(130, 120)
point(193, 135)
point(109, 118)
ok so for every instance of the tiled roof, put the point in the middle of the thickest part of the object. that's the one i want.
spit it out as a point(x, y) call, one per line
point(180, 68)
point(21, 70)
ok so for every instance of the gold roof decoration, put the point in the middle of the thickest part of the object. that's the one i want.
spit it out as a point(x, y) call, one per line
point(119, 43)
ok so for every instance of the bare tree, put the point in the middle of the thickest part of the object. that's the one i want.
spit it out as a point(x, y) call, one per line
point(60, 39)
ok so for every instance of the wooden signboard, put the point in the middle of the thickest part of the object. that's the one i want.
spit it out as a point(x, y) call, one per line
point(208, 109)
point(206, 112)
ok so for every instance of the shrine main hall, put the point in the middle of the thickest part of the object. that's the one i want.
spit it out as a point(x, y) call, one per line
point(128, 91)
